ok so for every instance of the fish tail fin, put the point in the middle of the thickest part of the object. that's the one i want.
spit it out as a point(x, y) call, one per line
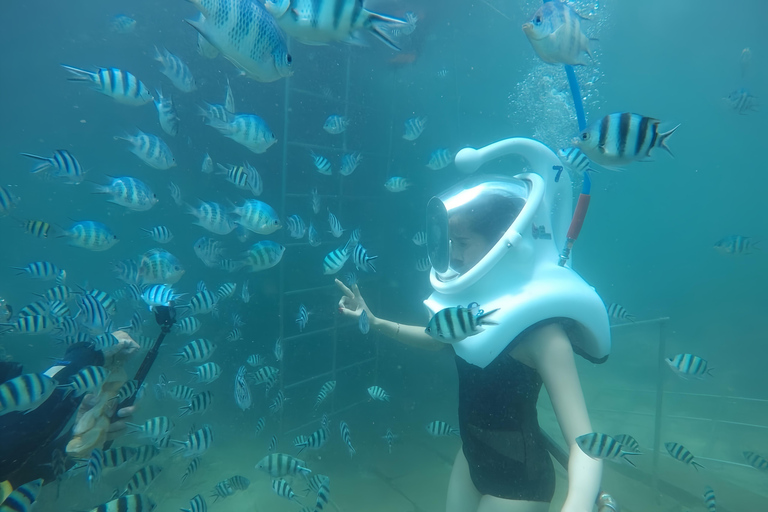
point(663, 140)
point(483, 320)
point(377, 24)
point(624, 457)
point(709, 372)
point(44, 164)
point(80, 75)
point(696, 465)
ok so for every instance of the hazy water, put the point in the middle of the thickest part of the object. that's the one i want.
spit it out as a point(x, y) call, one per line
point(647, 243)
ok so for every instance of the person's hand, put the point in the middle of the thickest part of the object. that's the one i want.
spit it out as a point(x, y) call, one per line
point(352, 304)
point(122, 350)
point(116, 426)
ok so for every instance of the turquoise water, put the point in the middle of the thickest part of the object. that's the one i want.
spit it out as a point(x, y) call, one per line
point(647, 243)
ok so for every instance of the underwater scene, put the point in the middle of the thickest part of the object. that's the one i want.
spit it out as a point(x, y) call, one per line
point(383, 256)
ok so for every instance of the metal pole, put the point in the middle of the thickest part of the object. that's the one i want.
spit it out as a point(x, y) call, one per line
point(659, 409)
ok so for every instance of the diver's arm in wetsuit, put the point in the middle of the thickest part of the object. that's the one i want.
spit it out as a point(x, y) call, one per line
point(352, 304)
point(551, 353)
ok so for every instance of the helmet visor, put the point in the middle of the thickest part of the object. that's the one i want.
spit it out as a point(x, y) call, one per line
point(468, 220)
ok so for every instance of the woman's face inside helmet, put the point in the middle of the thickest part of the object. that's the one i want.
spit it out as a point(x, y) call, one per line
point(467, 246)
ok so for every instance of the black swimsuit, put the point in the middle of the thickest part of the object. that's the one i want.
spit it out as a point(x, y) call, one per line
point(500, 430)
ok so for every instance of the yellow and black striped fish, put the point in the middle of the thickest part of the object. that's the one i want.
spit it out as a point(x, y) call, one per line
point(38, 228)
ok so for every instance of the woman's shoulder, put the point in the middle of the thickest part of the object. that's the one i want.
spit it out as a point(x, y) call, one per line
point(541, 342)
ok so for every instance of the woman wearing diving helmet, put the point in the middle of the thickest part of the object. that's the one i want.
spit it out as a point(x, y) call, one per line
point(494, 243)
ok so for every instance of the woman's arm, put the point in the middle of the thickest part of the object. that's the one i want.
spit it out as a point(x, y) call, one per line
point(551, 353)
point(352, 305)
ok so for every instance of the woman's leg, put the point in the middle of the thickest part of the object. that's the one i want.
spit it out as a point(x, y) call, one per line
point(494, 504)
point(462, 494)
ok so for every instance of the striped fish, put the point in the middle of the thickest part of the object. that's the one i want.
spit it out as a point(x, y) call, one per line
point(62, 164)
point(325, 390)
point(741, 101)
point(239, 483)
point(142, 479)
point(181, 393)
point(199, 403)
point(94, 467)
point(153, 428)
point(32, 324)
point(346, 437)
point(130, 193)
point(248, 130)
point(316, 481)
point(116, 457)
point(349, 163)
point(709, 499)
point(277, 402)
point(335, 260)
point(175, 69)
point(159, 295)
point(158, 266)
point(43, 270)
point(23, 498)
point(160, 234)
point(196, 504)
point(603, 446)
point(175, 191)
point(151, 149)
point(679, 452)
point(126, 391)
point(59, 292)
point(689, 365)
point(440, 159)
point(575, 160)
point(87, 380)
point(457, 323)
point(378, 393)
point(90, 235)
point(315, 201)
point(284, 490)
point(93, 317)
point(25, 392)
point(556, 36)
point(336, 124)
point(303, 317)
point(129, 503)
point(756, 460)
point(37, 228)
point(619, 312)
point(441, 428)
point(296, 227)
point(420, 239)
point(229, 98)
point(322, 164)
point(145, 453)
point(207, 373)
point(628, 442)
point(234, 335)
point(226, 290)
point(242, 391)
point(202, 302)
point(278, 350)
point(196, 351)
point(736, 244)
point(197, 442)
point(362, 260)
point(315, 441)
point(389, 437)
point(364, 323)
point(323, 494)
point(313, 237)
point(245, 33)
point(281, 464)
point(414, 127)
point(336, 229)
point(621, 138)
point(397, 184)
point(265, 375)
point(119, 85)
point(222, 490)
point(255, 360)
point(260, 424)
point(328, 21)
point(166, 114)
point(191, 469)
point(189, 326)
point(8, 199)
point(272, 444)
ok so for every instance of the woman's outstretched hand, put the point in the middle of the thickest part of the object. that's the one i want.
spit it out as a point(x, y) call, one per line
point(352, 303)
